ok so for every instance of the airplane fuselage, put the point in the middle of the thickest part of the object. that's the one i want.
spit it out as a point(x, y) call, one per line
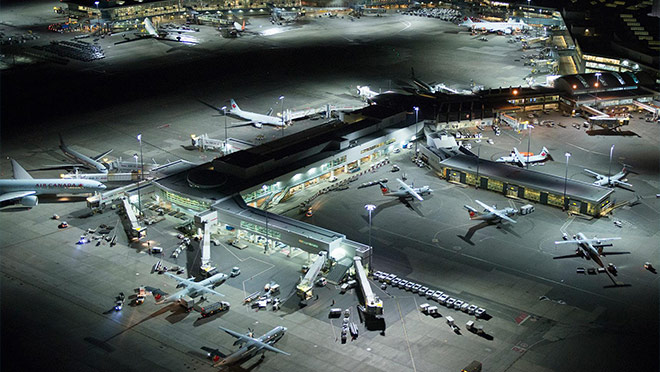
point(51, 186)
point(589, 250)
point(84, 159)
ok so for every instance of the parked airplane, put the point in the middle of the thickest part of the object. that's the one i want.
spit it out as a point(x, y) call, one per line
point(82, 160)
point(500, 27)
point(254, 118)
point(192, 288)
point(26, 188)
point(523, 158)
point(490, 214)
point(406, 191)
point(249, 346)
point(589, 248)
point(162, 34)
point(613, 180)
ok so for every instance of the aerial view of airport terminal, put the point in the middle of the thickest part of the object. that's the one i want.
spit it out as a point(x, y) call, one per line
point(330, 185)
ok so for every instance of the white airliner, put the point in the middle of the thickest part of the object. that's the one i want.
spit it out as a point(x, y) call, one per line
point(500, 27)
point(192, 288)
point(524, 158)
point(491, 214)
point(249, 346)
point(613, 180)
point(83, 160)
point(25, 188)
point(171, 34)
point(255, 119)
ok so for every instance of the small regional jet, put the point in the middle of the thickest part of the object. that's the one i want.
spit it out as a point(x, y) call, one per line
point(405, 191)
point(613, 180)
point(523, 158)
point(254, 118)
point(249, 346)
point(25, 188)
point(490, 214)
point(82, 161)
point(191, 288)
point(590, 249)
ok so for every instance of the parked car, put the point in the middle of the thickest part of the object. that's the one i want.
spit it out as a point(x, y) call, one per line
point(235, 271)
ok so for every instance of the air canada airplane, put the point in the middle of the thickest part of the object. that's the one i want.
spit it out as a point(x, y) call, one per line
point(254, 118)
point(249, 346)
point(405, 191)
point(192, 288)
point(589, 248)
point(491, 214)
point(166, 34)
point(523, 158)
point(613, 180)
point(25, 188)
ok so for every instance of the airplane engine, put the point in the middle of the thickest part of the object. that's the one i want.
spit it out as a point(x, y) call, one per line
point(30, 201)
point(258, 125)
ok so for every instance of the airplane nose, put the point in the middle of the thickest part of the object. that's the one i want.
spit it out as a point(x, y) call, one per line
point(102, 186)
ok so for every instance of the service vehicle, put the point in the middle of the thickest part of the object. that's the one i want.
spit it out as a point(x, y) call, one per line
point(235, 271)
point(141, 295)
point(214, 308)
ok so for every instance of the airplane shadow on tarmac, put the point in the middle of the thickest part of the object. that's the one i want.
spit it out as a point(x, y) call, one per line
point(392, 203)
point(505, 228)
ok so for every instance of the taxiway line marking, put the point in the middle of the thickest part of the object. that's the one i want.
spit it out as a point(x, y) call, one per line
point(405, 334)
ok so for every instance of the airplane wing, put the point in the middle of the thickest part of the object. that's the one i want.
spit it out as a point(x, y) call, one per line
point(244, 124)
point(486, 207)
point(60, 166)
point(617, 182)
point(410, 190)
point(506, 159)
point(518, 157)
point(237, 335)
point(15, 195)
point(268, 347)
point(592, 241)
point(101, 156)
point(201, 288)
point(178, 279)
point(597, 175)
point(504, 216)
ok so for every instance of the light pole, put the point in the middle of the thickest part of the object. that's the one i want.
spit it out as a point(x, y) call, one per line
point(224, 111)
point(529, 139)
point(370, 208)
point(596, 86)
point(478, 158)
point(283, 114)
point(265, 188)
point(416, 119)
point(98, 14)
point(609, 171)
point(568, 155)
point(527, 12)
point(139, 138)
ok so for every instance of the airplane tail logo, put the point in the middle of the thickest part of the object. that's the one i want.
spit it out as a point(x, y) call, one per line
point(384, 189)
point(234, 106)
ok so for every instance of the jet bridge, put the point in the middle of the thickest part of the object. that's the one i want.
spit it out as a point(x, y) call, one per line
point(304, 289)
point(372, 304)
point(130, 222)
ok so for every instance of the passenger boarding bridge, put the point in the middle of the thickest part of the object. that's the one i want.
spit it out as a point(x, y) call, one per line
point(372, 304)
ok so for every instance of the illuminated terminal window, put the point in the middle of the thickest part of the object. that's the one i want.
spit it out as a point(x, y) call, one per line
point(532, 195)
point(495, 185)
point(556, 200)
point(471, 179)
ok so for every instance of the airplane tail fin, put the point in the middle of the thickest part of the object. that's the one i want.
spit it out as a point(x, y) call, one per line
point(234, 106)
point(19, 172)
point(269, 112)
point(383, 188)
point(149, 26)
point(545, 153)
point(471, 211)
point(61, 140)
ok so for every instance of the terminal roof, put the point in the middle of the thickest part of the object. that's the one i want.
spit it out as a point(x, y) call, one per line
point(528, 178)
